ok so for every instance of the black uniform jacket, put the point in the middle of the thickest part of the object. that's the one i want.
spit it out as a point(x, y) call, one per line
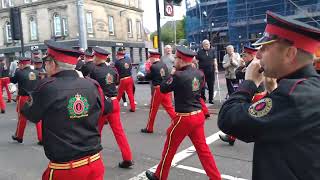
point(123, 67)
point(107, 77)
point(69, 108)
point(87, 68)
point(158, 72)
point(285, 126)
point(27, 80)
point(186, 85)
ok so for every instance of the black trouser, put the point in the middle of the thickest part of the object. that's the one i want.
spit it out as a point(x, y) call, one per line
point(230, 87)
point(124, 99)
point(209, 78)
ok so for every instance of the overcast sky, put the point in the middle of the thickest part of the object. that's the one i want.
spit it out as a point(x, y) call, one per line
point(149, 15)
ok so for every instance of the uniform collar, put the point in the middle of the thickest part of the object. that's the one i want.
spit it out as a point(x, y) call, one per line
point(102, 64)
point(66, 73)
point(305, 72)
point(156, 62)
point(186, 67)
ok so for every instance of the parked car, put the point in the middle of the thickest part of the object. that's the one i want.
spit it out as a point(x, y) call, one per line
point(141, 73)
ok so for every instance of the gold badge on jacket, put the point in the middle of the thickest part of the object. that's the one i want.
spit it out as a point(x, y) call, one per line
point(32, 76)
point(260, 108)
point(126, 65)
point(109, 79)
point(195, 84)
point(162, 72)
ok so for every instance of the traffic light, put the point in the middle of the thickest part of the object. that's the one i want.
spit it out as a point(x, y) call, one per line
point(15, 23)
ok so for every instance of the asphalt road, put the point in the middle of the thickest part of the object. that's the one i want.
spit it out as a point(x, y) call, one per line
point(27, 161)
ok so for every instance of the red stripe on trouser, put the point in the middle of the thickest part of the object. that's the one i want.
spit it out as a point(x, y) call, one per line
point(5, 83)
point(91, 171)
point(22, 120)
point(204, 107)
point(157, 99)
point(192, 126)
point(2, 103)
point(117, 129)
point(126, 85)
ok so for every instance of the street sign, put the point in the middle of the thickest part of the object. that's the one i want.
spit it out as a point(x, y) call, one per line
point(168, 9)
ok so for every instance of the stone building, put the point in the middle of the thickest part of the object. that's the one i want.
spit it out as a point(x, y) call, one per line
point(109, 24)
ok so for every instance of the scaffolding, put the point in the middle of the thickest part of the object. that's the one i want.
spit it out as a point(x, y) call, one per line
point(241, 22)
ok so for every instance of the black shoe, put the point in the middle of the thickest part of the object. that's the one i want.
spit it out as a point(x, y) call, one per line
point(8, 101)
point(211, 102)
point(150, 175)
point(207, 116)
point(226, 138)
point(126, 164)
point(145, 130)
point(15, 138)
point(3, 111)
point(40, 143)
point(132, 110)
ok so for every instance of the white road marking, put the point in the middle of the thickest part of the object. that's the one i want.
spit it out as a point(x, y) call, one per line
point(201, 171)
point(179, 156)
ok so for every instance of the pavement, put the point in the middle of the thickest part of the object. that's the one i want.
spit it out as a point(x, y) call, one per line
point(27, 161)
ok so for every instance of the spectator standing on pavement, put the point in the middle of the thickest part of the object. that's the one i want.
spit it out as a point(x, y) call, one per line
point(207, 62)
point(230, 63)
point(284, 126)
point(186, 84)
point(168, 58)
point(70, 107)
point(13, 67)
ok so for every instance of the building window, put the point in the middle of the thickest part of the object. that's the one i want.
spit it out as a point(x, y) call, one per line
point(129, 27)
point(8, 32)
point(65, 26)
point(33, 29)
point(6, 3)
point(57, 25)
point(89, 22)
point(111, 25)
point(139, 29)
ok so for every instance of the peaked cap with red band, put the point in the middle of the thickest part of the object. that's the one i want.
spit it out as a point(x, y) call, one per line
point(154, 54)
point(303, 36)
point(185, 54)
point(24, 60)
point(61, 53)
point(100, 53)
point(250, 50)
